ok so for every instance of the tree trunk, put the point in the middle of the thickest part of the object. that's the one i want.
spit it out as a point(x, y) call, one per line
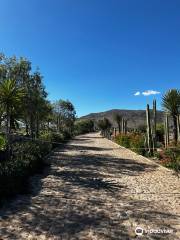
point(32, 126)
point(37, 127)
point(8, 132)
point(27, 129)
point(8, 121)
point(48, 125)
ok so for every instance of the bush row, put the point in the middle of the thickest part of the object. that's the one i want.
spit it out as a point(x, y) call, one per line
point(55, 138)
point(26, 159)
point(134, 141)
point(171, 158)
point(83, 126)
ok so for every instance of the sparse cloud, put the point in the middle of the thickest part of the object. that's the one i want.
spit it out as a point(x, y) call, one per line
point(150, 92)
point(146, 93)
point(137, 94)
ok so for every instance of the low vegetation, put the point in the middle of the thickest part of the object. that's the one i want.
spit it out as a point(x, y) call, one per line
point(26, 159)
point(151, 139)
point(133, 141)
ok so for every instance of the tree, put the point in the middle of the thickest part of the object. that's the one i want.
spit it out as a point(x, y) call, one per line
point(31, 109)
point(65, 115)
point(171, 104)
point(46, 115)
point(34, 103)
point(104, 125)
point(84, 126)
point(118, 120)
point(10, 98)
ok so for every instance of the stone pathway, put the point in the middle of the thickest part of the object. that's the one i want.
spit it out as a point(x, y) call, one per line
point(96, 190)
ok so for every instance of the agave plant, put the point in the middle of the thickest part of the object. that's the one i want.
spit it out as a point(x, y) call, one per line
point(171, 104)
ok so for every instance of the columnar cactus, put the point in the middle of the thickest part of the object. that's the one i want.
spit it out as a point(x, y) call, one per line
point(149, 138)
point(125, 126)
point(115, 132)
point(122, 125)
point(154, 125)
point(178, 127)
point(166, 131)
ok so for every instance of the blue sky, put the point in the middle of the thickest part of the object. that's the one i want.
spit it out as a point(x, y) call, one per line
point(97, 53)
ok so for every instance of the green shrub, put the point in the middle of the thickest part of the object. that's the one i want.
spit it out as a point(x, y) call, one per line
point(52, 137)
point(160, 132)
point(83, 126)
point(30, 154)
point(27, 159)
point(46, 136)
point(66, 135)
point(55, 136)
point(157, 155)
point(134, 141)
point(172, 159)
point(45, 148)
point(137, 143)
point(2, 143)
point(123, 140)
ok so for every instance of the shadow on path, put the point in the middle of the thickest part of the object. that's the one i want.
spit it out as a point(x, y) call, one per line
point(77, 198)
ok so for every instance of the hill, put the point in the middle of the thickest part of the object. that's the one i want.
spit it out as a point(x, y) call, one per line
point(135, 118)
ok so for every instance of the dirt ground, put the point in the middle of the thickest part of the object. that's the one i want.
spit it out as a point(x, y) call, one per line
point(96, 190)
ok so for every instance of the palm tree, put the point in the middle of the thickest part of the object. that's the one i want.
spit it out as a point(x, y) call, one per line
point(10, 97)
point(171, 104)
point(118, 120)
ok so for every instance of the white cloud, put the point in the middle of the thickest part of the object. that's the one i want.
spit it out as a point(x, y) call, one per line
point(150, 92)
point(137, 94)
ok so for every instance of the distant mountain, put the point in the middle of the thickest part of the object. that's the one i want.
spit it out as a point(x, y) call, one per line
point(135, 118)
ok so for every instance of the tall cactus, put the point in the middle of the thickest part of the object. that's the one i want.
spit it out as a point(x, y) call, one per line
point(154, 125)
point(115, 132)
point(125, 126)
point(178, 127)
point(122, 125)
point(149, 137)
point(166, 131)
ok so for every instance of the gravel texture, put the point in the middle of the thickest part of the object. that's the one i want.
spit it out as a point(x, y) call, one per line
point(96, 190)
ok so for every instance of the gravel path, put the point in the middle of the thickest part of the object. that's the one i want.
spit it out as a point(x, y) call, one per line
point(96, 190)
